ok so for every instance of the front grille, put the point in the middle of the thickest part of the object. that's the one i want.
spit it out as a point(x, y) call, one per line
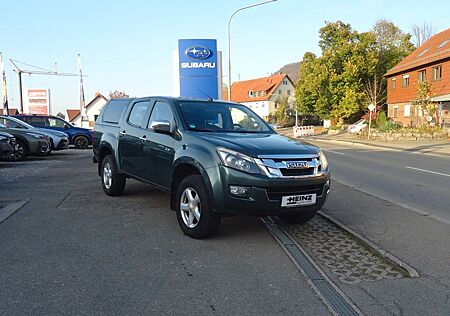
point(275, 193)
point(290, 166)
point(297, 172)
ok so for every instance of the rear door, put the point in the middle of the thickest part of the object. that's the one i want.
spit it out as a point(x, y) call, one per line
point(159, 148)
point(132, 140)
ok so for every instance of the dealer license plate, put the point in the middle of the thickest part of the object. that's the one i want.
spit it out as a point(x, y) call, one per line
point(298, 200)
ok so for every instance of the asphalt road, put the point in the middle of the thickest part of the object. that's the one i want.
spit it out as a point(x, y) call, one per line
point(73, 250)
point(416, 181)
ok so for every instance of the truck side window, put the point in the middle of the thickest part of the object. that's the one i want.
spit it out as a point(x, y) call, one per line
point(137, 113)
point(161, 112)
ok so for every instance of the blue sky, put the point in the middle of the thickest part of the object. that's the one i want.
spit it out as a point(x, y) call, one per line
point(128, 45)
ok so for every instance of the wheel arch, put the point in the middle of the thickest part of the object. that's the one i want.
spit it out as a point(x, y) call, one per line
point(183, 168)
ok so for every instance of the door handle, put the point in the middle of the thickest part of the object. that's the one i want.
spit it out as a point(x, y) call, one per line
point(143, 138)
point(122, 133)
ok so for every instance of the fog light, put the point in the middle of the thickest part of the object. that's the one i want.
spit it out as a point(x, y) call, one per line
point(239, 191)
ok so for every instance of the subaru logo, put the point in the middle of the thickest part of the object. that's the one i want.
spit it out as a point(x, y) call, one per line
point(297, 165)
point(198, 52)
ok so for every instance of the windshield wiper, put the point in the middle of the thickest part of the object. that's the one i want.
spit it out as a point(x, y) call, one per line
point(202, 129)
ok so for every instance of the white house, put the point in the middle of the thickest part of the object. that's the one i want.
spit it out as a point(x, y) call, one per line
point(261, 95)
point(92, 110)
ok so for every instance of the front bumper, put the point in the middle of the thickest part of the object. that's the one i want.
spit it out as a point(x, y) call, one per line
point(266, 193)
point(43, 147)
point(6, 150)
point(63, 144)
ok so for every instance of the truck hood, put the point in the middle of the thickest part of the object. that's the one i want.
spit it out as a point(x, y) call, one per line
point(259, 144)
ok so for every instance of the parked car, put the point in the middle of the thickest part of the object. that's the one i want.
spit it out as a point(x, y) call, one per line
point(59, 140)
point(81, 138)
point(28, 143)
point(357, 127)
point(7, 145)
point(215, 158)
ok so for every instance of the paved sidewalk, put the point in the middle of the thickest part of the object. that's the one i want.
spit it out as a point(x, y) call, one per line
point(439, 147)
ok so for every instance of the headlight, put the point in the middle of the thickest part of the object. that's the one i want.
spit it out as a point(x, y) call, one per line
point(3, 138)
point(38, 136)
point(323, 160)
point(237, 160)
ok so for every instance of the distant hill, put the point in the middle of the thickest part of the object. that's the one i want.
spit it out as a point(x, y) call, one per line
point(292, 70)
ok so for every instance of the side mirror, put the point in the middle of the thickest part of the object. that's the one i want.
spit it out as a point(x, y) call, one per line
point(66, 126)
point(162, 127)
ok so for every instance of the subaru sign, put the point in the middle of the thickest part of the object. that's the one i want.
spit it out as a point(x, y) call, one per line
point(198, 68)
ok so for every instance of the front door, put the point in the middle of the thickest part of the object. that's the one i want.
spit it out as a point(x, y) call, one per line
point(159, 148)
point(132, 140)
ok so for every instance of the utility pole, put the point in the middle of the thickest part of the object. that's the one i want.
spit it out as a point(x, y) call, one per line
point(42, 71)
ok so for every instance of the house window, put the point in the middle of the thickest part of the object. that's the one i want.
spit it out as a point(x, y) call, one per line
point(393, 83)
point(422, 75)
point(289, 92)
point(250, 94)
point(285, 82)
point(437, 72)
point(395, 111)
point(407, 110)
point(405, 81)
point(279, 92)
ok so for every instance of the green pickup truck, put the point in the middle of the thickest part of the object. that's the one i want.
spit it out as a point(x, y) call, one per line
point(215, 158)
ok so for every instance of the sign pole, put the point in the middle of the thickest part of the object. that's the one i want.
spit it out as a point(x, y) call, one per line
point(371, 108)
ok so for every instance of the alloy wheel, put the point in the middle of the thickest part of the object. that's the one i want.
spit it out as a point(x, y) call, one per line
point(190, 207)
point(107, 175)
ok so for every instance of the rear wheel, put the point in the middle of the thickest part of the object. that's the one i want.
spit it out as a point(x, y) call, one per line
point(113, 183)
point(298, 218)
point(21, 153)
point(81, 142)
point(193, 207)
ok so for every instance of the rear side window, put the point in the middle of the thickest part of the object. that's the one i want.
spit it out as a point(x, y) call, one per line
point(138, 112)
point(38, 121)
point(114, 110)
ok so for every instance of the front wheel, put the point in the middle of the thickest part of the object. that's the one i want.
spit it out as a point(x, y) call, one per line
point(81, 142)
point(113, 183)
point(193, 207)
point(298, 218)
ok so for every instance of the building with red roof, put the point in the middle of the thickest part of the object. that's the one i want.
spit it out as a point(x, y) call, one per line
point(261, 95)
point(430, 62)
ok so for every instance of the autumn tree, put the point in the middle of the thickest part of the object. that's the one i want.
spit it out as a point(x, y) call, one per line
point(349, 74)
point(118, 95)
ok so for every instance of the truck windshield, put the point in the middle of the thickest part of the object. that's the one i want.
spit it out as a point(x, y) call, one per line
point(221, 117)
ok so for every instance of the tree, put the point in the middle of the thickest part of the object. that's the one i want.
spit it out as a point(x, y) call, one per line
point(391, 46)
point(422, 32)
point(423, 103)
point(349, 73)
point(60, 115)
point(118, 95)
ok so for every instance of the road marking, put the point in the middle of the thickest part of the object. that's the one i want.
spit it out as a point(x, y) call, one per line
point(335, 152)
point(428, 171)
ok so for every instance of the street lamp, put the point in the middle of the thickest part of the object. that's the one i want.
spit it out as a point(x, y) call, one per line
point(229, 41)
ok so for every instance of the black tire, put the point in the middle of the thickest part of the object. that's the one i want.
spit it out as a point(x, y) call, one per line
point(21, 153)
point(298, 218)
point(204, 221)
point(81, 142)
point(113, 183)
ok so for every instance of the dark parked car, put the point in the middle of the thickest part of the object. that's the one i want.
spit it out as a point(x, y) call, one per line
point(79, 137)
point(215, 158)
point(59, 140)
point(7, 145)
point(28, 143)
